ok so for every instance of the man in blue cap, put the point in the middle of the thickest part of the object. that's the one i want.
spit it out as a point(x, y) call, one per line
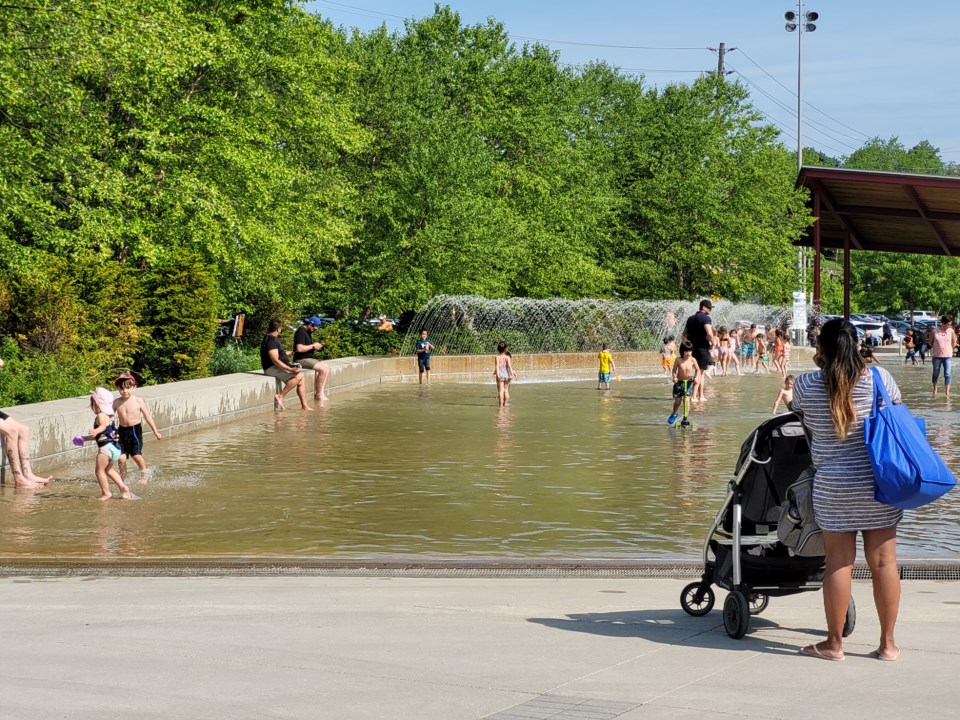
point(303, 352)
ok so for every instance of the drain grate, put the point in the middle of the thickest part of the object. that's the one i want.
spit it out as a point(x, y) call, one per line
point(938, 570)
point(559, 707)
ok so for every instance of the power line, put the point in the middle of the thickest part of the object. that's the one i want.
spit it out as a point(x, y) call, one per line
point(821, 129)
point(810, 105)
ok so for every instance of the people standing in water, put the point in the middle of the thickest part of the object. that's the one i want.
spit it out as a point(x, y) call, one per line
point(607, 367)
point(423, 349)
point(910, 347)
point(668, 353)
point(762, 356)
point(785, 395)
point(686, 372)
point(131, 412)
point(832, 403)
point(724, 349)
point(942, 341)
point(699, 333)
point(17, 436)
point(748, 348)
point(503, 372)
point(105, 434)
point(304, 354)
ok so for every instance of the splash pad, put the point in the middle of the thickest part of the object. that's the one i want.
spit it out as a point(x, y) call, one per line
point(471, 325)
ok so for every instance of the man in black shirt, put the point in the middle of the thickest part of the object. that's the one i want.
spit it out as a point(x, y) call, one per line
point(699, 332)
point(303, 353)
point(276, 363)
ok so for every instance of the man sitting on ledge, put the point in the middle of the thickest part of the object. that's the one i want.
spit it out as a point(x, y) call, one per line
point(276, 363)
point(303, 352)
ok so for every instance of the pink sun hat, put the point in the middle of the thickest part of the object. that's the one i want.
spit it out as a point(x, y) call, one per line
point(104, 400)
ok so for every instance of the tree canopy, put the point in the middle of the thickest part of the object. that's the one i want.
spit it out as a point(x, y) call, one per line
point(166, 163)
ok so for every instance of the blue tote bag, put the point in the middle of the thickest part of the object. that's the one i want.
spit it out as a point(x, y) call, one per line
point(907, 472)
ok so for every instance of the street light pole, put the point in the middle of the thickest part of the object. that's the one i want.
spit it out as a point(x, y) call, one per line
point(800, 22)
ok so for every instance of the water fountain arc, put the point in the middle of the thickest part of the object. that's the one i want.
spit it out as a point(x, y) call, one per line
point(471, 325)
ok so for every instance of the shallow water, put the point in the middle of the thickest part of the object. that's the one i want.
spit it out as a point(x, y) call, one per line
point(565, 471)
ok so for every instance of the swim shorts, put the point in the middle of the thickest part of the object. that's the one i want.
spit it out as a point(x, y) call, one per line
point(423, 364)
point(131, 439)
point(666, 362)
point(111, 451)
point(747, 350)
point(682, 387)
point(604, 377)
point(703, 357)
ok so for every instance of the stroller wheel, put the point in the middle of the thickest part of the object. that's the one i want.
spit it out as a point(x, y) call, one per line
point(758, 603)
point(850, 622)
point(697, 599)
point(736, 615)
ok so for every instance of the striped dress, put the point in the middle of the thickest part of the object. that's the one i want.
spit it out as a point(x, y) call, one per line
point(843, 484)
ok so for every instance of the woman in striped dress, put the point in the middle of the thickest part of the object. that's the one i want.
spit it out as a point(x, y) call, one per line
point(833, 403)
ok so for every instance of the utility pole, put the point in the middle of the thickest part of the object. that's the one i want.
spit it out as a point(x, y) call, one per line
point(721, 55)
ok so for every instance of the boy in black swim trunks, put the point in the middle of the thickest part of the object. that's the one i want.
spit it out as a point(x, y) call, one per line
point(686, 374)
point(131, 411)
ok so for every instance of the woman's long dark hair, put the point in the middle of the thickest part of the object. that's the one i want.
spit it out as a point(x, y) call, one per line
point(842, 366)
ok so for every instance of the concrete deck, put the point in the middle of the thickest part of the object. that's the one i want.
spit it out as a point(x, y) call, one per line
point(450, 648)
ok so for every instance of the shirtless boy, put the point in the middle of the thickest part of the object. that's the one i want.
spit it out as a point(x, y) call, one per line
point(686, 374)
point(131, 412)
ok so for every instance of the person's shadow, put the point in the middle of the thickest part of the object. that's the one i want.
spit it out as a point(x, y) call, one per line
point(675, 627)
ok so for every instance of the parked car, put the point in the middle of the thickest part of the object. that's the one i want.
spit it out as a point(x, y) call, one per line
point(875, 329)
point(917, 315)
point(900, 326)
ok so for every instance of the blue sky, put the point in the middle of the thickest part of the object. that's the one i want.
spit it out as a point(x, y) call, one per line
point(870, 69)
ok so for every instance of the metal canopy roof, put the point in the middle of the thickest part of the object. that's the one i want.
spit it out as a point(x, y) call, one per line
point(884, 211)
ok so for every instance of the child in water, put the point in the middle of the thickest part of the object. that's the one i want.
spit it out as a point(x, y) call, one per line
point(668, 352)
point(785, 395)
point(686, 372)
point(504, 374)
point(104, 433)
point(761, 353)
point(131, 412)
point(606, 366)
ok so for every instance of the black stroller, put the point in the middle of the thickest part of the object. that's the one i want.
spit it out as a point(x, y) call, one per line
point(742, 552)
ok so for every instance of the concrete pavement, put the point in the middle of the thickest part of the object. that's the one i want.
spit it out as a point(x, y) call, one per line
point(446, 648)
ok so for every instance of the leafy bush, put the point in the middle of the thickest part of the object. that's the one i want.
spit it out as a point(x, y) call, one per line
point(30, 376)
point(228, 359)
point(343, 339)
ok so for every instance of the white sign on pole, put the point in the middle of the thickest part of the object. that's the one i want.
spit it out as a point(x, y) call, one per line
point(799, 310)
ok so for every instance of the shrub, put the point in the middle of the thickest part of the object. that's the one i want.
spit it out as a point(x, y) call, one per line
point(228, 359)
point(183, 316)
point(344, 339)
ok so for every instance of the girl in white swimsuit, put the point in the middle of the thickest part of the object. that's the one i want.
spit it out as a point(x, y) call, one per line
point(504, 374)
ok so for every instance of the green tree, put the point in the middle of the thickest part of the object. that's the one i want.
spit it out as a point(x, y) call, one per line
point(712, 204)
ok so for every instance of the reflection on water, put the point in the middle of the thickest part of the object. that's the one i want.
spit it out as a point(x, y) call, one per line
point(564, 471)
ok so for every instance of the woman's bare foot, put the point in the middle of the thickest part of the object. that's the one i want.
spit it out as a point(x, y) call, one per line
point(278, 401)
point(306, 407)
point(108, 496)
point(888, 653)
point(38, 480)
point(126, 495)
